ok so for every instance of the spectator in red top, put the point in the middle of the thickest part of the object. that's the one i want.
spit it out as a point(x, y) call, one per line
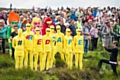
point(90, 16)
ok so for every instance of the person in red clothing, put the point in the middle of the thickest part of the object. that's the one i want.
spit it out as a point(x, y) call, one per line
point(47, 23)
point(90, 17)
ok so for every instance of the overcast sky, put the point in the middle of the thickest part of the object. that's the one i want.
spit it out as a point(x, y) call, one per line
point(58, 3)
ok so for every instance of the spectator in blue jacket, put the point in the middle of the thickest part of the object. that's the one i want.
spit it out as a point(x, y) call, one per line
point(73, 16)
point(95, 12)
point(3, 29)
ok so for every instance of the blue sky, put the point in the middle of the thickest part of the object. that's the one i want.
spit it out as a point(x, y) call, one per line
point(58, 3)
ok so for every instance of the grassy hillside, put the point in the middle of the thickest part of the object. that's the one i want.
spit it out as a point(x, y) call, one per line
point(89, 72)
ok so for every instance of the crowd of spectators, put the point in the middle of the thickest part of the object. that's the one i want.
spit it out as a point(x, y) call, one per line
point(95, 23)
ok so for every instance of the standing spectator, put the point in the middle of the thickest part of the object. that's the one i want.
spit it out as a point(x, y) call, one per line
point(116, 29)
point(111, 27)
point(99, 13)
point(109, 11)
point(10, 6)
point(13, 34)
point(95, 12)
point(104, 10)
point(94, 35)
point(119, 14)
point(101, 26)
point(90, 24)
point(72, 28)
point(106, 32)
point(90, 16)
point(67, 25)
point(86, 33)
point(63, 28)
point(79, 23)
point(3, 30)
point(79, 13)
point(73, 16)
point(105, 17)
point(20, 23)
point(3, 16)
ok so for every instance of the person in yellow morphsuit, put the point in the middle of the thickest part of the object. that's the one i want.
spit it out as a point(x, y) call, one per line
point(78, 49)
point(47, 44)
point(52, 34)
point(38, 51)
point(29, 45)
point(18, 44)
point(68, 47)
point(60, 42)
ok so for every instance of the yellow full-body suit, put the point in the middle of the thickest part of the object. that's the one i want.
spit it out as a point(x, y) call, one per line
point(68, 47)
point(38, 50)
point(60, 42)
point(78, 49)
point(53, 36)
point(47, 44)
point(29, 45)
point(18, 44)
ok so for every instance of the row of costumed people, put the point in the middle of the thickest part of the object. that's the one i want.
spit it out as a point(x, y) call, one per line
point(20, 21)
point(44, 48)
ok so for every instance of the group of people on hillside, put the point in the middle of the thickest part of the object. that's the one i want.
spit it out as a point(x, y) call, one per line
point(95, 23)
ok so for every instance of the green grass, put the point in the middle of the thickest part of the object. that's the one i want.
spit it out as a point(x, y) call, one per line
point(89, 72)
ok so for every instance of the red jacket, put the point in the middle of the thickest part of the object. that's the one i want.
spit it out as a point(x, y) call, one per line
point(90, 17)
point(45, 26)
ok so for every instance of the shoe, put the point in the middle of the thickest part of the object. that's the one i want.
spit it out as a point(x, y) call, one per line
point(49, 69)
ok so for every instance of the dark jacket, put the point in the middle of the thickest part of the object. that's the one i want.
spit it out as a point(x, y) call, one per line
point(63, 28)
point(73, 29)
point(114, 53)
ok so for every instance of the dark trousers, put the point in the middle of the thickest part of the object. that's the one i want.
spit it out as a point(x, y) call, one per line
point(13, 50)
point(3, 46)
point(116, 38)
point(112, 63)
point(94, 43)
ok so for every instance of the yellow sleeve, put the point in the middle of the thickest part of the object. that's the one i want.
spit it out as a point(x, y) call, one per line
point(74, 43)
point(43, 42)
point(13, 43)
point(51, 42)
point(55, 39)
point(83, 43)
point(32, 23)
point(24, 42)
point(35, 41)
point(65, 43)
point(63, 40)
point(23, 34)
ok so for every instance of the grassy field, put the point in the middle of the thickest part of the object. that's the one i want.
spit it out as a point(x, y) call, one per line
point(89, 72)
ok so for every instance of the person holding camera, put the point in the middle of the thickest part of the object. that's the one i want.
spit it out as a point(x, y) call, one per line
point(113, 57)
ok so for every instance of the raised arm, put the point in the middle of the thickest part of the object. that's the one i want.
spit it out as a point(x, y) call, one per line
point(107, 49)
